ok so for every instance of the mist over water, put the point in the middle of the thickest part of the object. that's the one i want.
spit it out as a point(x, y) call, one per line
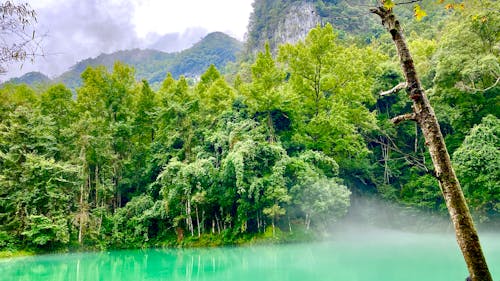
point(388, 247)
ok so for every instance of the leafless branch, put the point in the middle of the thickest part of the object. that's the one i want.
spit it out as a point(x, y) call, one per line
point(394, 90)
point(463, 86)
point(17, 41)
point(405, 117)
point(412, 160)
point(408, 2)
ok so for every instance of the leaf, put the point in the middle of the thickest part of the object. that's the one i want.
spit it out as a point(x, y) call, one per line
point(389, 4)
point(419, 13)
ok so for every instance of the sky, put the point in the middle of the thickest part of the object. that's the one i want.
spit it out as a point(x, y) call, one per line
point(74, 30)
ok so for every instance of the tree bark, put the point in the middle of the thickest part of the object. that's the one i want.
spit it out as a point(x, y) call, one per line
point(423, 114)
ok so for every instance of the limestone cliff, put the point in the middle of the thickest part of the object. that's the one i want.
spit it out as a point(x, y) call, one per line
point(288, 21)
point(279, 22)
point(299, 18)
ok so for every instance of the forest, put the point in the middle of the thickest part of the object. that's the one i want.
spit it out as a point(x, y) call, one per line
point(275, 149)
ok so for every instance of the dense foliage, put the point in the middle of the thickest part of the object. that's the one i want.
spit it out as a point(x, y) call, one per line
point(278, 149)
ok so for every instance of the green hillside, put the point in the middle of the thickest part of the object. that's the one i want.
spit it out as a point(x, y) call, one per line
point(31, 78)
point(216, 48)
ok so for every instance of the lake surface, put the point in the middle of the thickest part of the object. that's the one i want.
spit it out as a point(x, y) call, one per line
point(356, 256)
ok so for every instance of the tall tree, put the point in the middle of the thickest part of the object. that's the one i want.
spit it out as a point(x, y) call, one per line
point(478, 166)
point(330, 83)
point(265, 95)
point(424, 115)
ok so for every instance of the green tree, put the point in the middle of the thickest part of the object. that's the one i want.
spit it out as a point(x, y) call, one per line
point(467, 72)
point(38, 193)
point(478, 166)
point(58, 104)
point(182, 187)
point(330, 83)
point(213, 95)
point(266, 95)
point(316, 189)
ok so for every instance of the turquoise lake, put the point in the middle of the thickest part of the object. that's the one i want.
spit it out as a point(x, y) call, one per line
point(362, 256)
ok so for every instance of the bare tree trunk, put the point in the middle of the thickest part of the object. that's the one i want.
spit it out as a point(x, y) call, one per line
point(423, 114)
point(289, 224)
point(189, 220)
point(270, 125)
point(386, 157)
point(80, 219)
point(218, 223)
point(197, 220)
point(274, 229)
point(308, 221)
point(202, 220)
point(96, 178)
point(258, 222)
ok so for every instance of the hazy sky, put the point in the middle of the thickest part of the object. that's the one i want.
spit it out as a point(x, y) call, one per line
point(79, 29)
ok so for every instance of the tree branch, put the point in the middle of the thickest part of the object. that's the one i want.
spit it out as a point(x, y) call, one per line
point(405, 117)
point(463, 86)
point(394, 90)
point(408, 2)
point(410, 159)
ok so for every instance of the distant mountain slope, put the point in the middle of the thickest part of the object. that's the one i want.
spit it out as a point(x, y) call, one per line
point(147, 64)
point(31, 78)
point(216, 48)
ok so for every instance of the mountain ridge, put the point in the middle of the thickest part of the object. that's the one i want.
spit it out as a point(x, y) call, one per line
point(215, 48)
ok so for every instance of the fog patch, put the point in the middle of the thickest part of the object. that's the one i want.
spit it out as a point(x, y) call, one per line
point(374, 218)
point(175, 42)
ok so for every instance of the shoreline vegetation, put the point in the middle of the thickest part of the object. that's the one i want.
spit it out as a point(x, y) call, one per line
point(298, 235)
point(366, 213)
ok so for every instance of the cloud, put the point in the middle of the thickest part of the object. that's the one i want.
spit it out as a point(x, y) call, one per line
point(79, 29)
point(74, 30)
point(174, 42)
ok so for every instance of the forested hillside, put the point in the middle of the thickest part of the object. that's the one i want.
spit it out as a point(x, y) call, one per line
point(279, 149)
point(216, 48)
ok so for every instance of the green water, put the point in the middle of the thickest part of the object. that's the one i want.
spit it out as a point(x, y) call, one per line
point(370, 256)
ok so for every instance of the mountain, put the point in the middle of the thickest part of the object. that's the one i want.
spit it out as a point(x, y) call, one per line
point(176, 42)
point(31, 78)
point(148, 64)
point(216, 48)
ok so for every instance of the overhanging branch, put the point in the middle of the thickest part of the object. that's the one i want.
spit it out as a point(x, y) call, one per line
point(407, 2)
point(405, 117)
point(394, 90)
